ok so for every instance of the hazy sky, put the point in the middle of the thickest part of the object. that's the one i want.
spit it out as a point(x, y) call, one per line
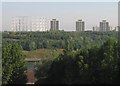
point(59, 0)
point(66, 12)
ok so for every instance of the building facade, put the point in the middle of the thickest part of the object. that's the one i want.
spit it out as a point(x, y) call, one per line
point(54, 25)
point(80, 25)
point(104, 26)
point(19, 23)
point(24, 23)
point(38, 24)
point(96, 28)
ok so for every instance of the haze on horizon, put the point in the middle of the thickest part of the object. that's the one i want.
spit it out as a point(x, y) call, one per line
point(66, 12)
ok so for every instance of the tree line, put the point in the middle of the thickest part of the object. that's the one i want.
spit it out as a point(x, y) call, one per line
point(88, 57)
point(13, 64)
point(96, 65)
point(36, 40)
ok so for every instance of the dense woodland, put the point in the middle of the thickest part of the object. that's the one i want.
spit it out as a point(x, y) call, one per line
point(97, 65)
point(13, 64)
point(36, 40)
point(87, 58)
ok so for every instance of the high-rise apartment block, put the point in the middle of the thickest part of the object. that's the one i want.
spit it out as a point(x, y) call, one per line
point(24, 23)
point(54, 25)
point(80, 25)
point(39, 24)
point(96, 28)
point(36, 23)
point(19, 23)
point(104, 26)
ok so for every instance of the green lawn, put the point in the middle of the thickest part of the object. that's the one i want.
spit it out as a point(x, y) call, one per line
point(43, 53)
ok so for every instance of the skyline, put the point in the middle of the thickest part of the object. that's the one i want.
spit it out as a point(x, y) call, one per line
point(24, 23)
point(61, 10)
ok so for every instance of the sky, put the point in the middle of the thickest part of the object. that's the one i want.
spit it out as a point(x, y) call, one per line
point(59, 0)
point(66, 12)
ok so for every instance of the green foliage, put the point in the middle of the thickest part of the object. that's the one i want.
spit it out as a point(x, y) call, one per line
point(36, 40)
point(96, 65)
point(42, 68)
point(0, 57)
point(87, 59)
point(12, 63)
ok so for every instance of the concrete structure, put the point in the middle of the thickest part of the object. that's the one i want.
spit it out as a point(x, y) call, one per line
point(104, 26)
point(80, 25)
point(96, 28)
point(116, 28)
point(31, 66)
point(24, 23)
point(19, 23)
point(39, 24)
point(54, 25)
point(31, 79)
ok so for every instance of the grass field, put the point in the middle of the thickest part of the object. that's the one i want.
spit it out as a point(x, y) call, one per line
point(43, 53)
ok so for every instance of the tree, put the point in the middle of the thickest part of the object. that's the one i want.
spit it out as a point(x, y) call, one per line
point(13, 65)
point(97, 65)
point(32, 45)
